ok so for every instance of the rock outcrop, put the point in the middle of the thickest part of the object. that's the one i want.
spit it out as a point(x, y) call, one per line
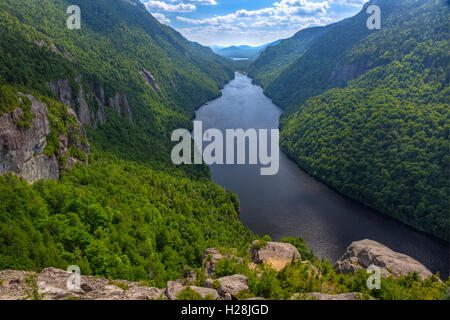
point(120, 104)
point(362, 254)
point(275, 253)
point(173, 289)
point(150, 79)
point(51, 284)
point(344, 72)
point(22, 146)
point(82, 101)
point(231, 285)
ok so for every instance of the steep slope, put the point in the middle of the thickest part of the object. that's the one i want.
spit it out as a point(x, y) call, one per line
point(123, 71)
point(130, 213)
point(383, 139)
point(320, 68)
point(275, 59)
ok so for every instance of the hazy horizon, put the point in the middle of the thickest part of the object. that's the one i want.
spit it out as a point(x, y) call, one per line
point(247, 22)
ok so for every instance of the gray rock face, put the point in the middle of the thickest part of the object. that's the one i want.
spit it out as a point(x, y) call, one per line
point(143, 293)
point(80, 102)
point(275, 253)
point(120, 104)
point(344, 72)
point(150, 79)
point(362, 254)
point(21, 149)
point(51, 284)
point(233, 285)
point(173, 289)
point(63, 90)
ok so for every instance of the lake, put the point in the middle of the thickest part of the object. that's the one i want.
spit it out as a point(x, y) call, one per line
point(292, 203)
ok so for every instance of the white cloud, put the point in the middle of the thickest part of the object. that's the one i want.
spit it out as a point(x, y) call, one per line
point(349, 3)
point(153, 5)
point(161, 18)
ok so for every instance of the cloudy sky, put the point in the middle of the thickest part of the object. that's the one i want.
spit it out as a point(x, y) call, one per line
point(251, 22)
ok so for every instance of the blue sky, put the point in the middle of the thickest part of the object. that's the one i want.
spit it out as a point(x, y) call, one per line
point(251, 22)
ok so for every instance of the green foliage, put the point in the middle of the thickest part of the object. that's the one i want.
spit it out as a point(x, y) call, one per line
point(115, 219)
point(9, 99)
point(32, 292)
point(225, 267)
point(191, 295)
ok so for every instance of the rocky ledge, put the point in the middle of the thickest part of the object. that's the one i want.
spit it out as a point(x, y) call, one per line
point(362, 254)
point(52, 284)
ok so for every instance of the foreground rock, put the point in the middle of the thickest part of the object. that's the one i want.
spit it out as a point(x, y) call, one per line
point(275, 253)
point(362, 254)
point(230, 286)
point(51, 284)
point(173, 289)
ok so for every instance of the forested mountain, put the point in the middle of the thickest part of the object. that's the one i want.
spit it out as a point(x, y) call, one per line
point(381, 135)
point(243, 52)
point(276, 58)
point(122, 61)
point(131, 80)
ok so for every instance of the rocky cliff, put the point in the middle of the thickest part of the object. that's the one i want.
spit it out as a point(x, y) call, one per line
point(24, 143)
point(89, 101)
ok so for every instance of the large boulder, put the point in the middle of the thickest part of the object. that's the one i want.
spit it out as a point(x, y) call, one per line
point(231, 285)
point(362, 254)
point(142, 293)
point(277, 254)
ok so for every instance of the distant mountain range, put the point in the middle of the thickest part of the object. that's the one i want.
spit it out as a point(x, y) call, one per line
point(242, 52)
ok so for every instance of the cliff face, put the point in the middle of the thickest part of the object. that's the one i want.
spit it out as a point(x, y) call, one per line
point(344, 72)
point(83, 101)
point(23, 147)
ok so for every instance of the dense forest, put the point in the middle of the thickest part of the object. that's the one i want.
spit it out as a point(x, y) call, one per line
point(381, 136)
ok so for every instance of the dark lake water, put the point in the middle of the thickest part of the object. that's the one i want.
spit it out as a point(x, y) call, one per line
point(292, 203)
